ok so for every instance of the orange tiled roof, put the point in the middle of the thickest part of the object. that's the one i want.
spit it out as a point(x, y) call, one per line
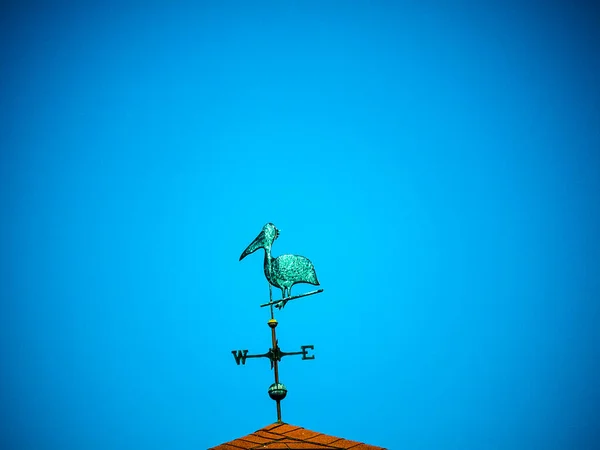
point(286, 436)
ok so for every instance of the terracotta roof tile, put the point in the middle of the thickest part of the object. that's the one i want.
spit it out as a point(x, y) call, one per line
point(242, 443)
point(273, 425)
point(277, 446)
point(345, 443)
point(265, 434)
point(284, 428)
point(323, 439)
point(363, 446)
point(306, 446)
point(284, 436)
point(226, 447)
point(256, 439)
point(237, 444)
point(302, 434)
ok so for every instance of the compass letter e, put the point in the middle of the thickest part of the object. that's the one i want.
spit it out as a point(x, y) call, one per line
point(305, 354)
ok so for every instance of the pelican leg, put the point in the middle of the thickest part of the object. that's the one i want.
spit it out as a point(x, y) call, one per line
point(287, 293)
point(282, 303)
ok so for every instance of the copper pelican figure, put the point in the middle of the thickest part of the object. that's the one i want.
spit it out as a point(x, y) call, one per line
point(285, 270)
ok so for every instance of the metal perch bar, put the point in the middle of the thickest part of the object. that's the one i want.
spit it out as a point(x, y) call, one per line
point(285, 300)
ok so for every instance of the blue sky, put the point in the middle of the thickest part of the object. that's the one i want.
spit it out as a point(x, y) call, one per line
point(438, 163)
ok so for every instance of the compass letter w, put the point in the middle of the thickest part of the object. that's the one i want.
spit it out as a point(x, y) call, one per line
point(240, 355)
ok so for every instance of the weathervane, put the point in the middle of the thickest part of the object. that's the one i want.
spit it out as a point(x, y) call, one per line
point(285, 270)
point(282, 272)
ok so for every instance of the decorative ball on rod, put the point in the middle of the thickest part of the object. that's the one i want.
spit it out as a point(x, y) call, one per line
point(277, 391)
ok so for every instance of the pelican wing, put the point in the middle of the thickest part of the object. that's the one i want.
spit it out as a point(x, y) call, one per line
point(291, 269)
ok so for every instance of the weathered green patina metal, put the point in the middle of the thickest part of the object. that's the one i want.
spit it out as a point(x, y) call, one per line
point(277, 391)
point(284, 271)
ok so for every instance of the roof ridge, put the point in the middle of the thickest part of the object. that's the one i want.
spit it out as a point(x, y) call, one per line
point(285, 435)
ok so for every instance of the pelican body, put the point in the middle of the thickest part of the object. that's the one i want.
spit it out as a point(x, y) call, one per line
point(285, 270)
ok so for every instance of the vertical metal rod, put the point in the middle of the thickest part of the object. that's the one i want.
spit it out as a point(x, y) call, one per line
point(271, 300)
point(275, 363)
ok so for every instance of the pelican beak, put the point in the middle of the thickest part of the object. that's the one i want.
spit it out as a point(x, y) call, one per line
point(257, 243)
